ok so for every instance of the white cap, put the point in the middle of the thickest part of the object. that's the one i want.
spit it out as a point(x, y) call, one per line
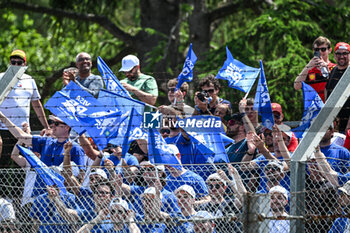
point(7, 212)
point(149, 164)
point(120, 202)
point(279, 189)
point(188, 189)
point(99, 171)
point(59, 169)
point(129, 62)
point(173, 148)
point(217, 177)
point(345, 188)
point(55, 118)
point(153, 191)
point(202, 214)
point(275, 163)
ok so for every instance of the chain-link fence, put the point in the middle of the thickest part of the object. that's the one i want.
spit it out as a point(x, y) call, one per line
point(241, 197)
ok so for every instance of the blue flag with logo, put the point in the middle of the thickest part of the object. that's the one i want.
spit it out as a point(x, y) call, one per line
point(238, 75)
point(206, 133)
point(159, 151)
point(47, 174)
point(111, 81)
point(186, 74)
point(312, 106)
point(262, 101)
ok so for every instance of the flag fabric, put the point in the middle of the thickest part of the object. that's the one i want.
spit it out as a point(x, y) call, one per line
point(312, 106)
point(186, 74)
point(238, 75)
point(159, 151)
point(111, 81)
point(206, 132)
point(47, 174)
point(262, 102)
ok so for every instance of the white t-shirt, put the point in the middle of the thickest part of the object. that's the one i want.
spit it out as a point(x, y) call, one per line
point(16, 105)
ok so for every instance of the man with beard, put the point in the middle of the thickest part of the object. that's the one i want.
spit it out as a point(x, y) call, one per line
point(140, 86)
point(342, 57)
point(85, 79)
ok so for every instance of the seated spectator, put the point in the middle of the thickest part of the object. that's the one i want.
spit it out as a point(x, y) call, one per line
point(186, 196)
point(45, 215)
point(342, 224)
point(201, 226)
point(273, 175)
point(7, 217)
point(222, 206)
point(118, 218)
point(179, 96)
point(208, 100)
point(278, 203)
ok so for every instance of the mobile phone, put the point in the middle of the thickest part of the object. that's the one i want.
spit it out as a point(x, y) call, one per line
point(317, 54)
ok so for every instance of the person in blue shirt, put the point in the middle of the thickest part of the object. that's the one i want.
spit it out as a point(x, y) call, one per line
point(45, 214)
point(203, 226)
point(186, 197)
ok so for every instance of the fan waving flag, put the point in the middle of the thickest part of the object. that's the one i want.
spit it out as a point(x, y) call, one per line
point(111, 81)
point(238, 75)
point(262, 101)
point(159, 151)
point(47, 174)
point(312, 106)
point(187, 71)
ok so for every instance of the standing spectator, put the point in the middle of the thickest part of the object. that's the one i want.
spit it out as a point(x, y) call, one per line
point(201, 226)
point(211, 86)
point(16, 106)
point(278, 203)
point(85, 79)
point(311, 74)
point(342, 57)
point(140, 86)
point(179, 96)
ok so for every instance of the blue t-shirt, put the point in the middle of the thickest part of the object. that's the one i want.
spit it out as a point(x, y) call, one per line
point(107, 227)
point(86, 204)
point(129, 159)
point(51, 151)
point(44, 210)
point(338, 157)
point(189, 178)
point(339, 225)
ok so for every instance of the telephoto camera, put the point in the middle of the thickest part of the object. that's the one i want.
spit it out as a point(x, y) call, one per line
point(201, 95)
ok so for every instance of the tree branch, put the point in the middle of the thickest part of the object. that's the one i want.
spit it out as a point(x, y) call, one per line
point(101, 20)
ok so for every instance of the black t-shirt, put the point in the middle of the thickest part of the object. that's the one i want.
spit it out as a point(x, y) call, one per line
point(344, 113)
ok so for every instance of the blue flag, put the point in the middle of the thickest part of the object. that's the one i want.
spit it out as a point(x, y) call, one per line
point(111, 81)
point(47, 174)
point(262, 101)
point(206, 133)
point(159, 151)
point(312, 106)
point(238, 75)
point(187, 71)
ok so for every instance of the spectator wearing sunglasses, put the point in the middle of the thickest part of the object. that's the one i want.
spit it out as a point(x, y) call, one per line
point(211, 87)
point(311, 74)
point(16, 106)
point(342, 57)
point(83, 77)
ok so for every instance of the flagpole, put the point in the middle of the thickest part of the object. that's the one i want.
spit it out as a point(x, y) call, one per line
point(246, 95)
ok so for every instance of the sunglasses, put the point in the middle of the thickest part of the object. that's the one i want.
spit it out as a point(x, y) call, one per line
point(172, 90)
point(119, 212)
point(15, 62)
point(211, 91)
point(56, 123)
point(233, 122)
point(217, 186)
point(165, 131)
point(268, 134)
point(272, 168)
point(80, 59)
point(104, 193)
point(322, 49)
point(341, 54)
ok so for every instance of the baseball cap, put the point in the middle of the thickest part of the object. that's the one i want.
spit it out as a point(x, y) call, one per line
point(99, 171)
point(217, 177)
point(342, 45)
point(236, 117)
point(202, 214)
point(129, 62)
point(276, 108)
point(7, 212)
point(275, 163)
point(59, 169)
point(188, 189)
point(149, 164)
point(152, 191)
point(55, 118)
point(280, 189)
point(120, 202)
point(19, 53)
point(345, 188)
point(285, 129)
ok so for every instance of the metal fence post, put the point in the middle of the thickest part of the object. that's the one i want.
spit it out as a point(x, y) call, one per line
point(297, 188)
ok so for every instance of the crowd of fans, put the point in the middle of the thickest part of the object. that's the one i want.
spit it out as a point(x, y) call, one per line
point(105, 192)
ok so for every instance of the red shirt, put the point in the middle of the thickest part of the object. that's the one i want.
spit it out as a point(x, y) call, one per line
point(317, 81)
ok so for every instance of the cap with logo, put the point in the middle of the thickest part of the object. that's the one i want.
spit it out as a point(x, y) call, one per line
point(342, 45)
point(19, 53)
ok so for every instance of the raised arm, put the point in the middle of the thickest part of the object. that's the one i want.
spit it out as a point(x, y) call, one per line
point(17, 132)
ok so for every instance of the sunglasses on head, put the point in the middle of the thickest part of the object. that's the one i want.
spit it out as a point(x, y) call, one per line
point(17, 62)
point(341, 54)
point(211, 91)
point(165, 131)
point(323, 49)
point(216, 186)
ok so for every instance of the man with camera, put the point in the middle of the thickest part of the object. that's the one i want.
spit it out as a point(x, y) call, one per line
point(206, 100)
point(315, 73)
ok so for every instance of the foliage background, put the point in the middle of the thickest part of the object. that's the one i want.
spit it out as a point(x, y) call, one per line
point(279, 32)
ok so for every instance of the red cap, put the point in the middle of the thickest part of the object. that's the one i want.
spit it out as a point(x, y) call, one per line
point(276, 108)
point(342, 45)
